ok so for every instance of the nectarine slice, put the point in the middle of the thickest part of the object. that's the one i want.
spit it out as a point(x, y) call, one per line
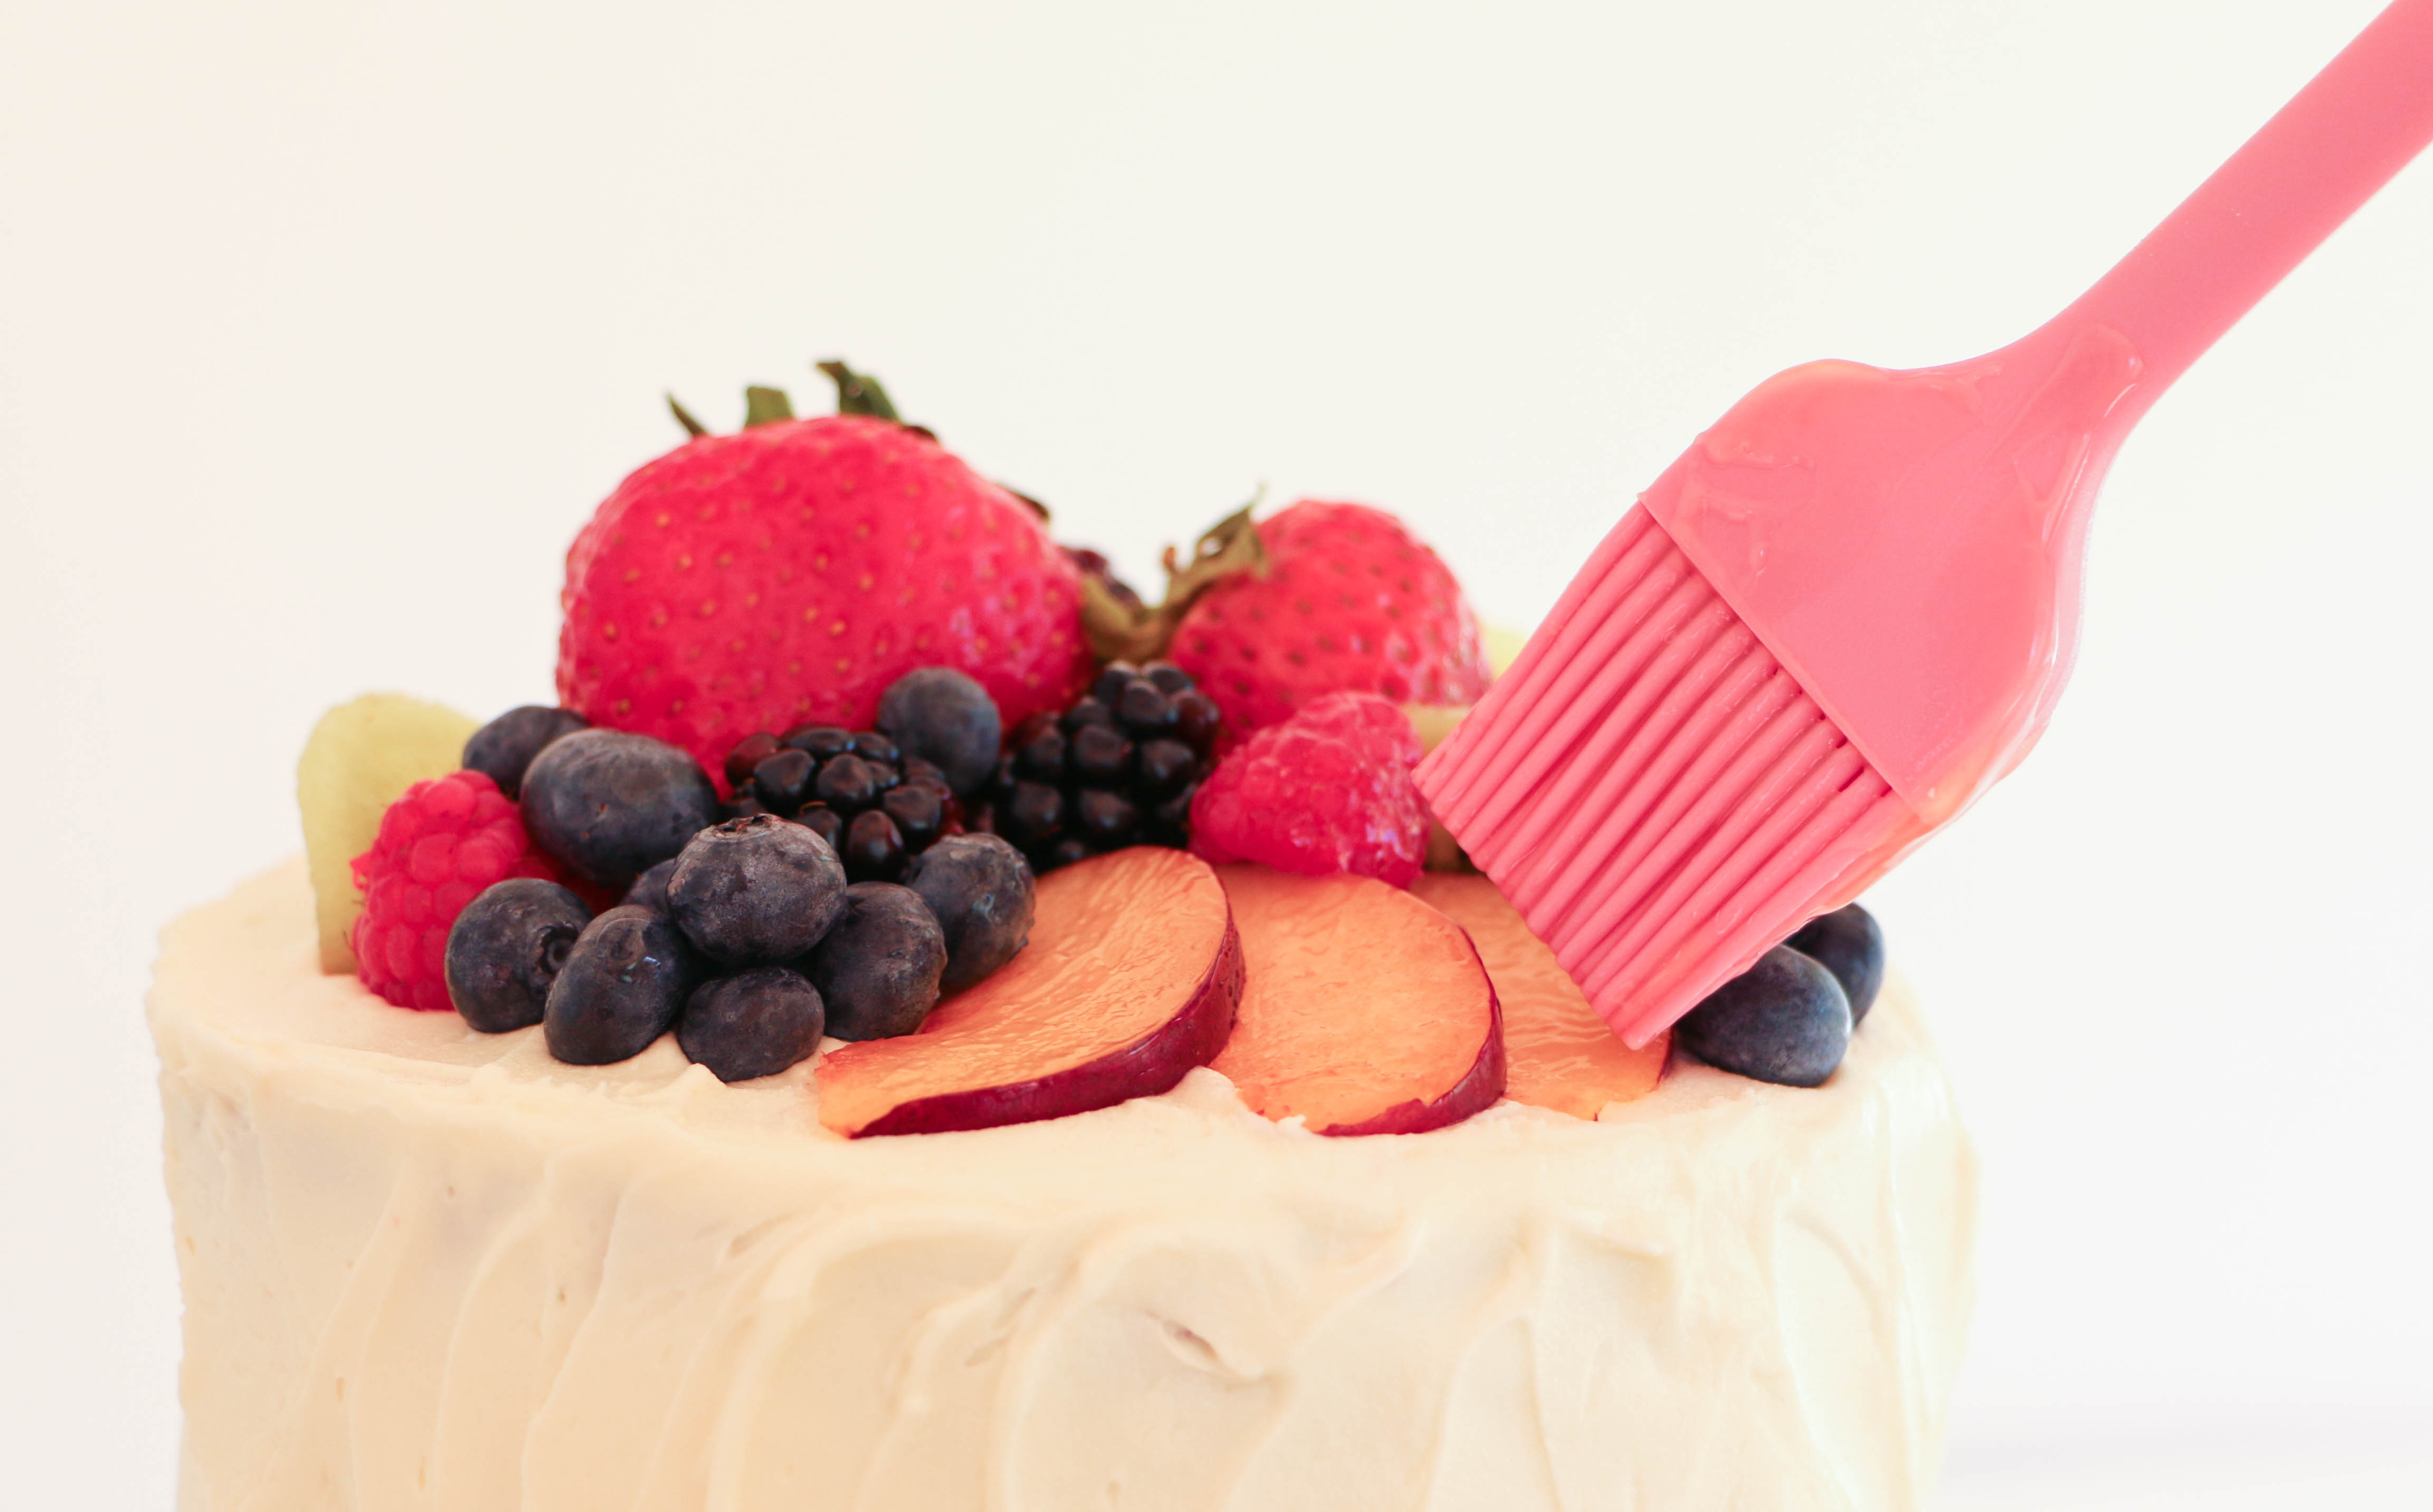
point(1130, 979)
point(1366, 1011)
point(1558, 1053)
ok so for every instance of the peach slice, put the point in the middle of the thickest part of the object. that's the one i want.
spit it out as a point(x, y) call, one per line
point(1559, 1054)
point(1130, 979)
point(1367, 1011)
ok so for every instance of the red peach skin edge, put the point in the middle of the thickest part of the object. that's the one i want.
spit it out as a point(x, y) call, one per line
point(1148, 1066)
point(1474, 1092)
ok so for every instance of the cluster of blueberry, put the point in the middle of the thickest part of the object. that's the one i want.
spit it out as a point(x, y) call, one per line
point(746, 932)
point(1118, 768)
point(1789, 1018)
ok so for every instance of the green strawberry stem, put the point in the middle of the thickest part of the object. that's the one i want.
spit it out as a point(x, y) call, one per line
point(684, 417)
point(765, 406)
point(859, 393)
point(1119, 631)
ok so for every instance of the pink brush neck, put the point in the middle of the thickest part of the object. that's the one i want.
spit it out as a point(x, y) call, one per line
point(2342, 137)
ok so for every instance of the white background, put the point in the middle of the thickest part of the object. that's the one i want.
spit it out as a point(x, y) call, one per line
point(323, 325)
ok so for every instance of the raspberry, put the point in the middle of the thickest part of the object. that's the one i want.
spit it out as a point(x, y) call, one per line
point(1327, 791)
point(438, 846)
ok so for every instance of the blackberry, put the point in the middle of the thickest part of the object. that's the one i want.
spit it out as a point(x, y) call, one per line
point(1118, 768)
point(830, 780)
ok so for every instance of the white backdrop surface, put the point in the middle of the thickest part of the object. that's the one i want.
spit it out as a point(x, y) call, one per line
point(323, 327)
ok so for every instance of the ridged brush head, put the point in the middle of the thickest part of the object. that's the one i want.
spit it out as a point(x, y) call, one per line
point(1654, 791)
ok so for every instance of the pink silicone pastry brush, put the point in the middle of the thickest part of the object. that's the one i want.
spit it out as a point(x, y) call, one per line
point(1849, 608)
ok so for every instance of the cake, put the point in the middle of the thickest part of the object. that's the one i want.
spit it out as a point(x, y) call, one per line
point(1092, 1127)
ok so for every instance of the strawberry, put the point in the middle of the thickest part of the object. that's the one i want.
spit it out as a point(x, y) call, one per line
point(787, 574)
point(1348, 601)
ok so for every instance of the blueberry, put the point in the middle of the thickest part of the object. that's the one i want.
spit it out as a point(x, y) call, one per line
point(650, 889)
point(507, 947)
point(878, 968)
point(1783, 1020)
point(943, 716)
point(873, 745)
point(820, 741)
point(783, 779)
point(755, 890)
point(1098, 755)
point(1163, 766)
point(749, 753)
point(622, 987)
point(1088, 711)
point(1032, 814)
point(1169, 678)
point(1849, 943)
point(874, 848)
point(1106, 820)
point(1144, 709)
point(503, 749)
point(1196, 719)
point(610, 805)
point(919, 813)
point(846, 784)
point(823, 822)
point(979, 888)
point(756, 1023)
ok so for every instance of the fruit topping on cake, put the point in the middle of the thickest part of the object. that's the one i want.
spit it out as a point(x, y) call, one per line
point(755, 1023)
point(1557, 1052)
point(1784, 1020)
point(757, 891)
point(624, 982)
point(610, 805)
point(1329, 790)
point(1347, 600)
point(983, 896)
point(1118, 768)
point(359, 758)
point(790, 572)
point(1364, 1009)
point(507, 948)
point(851, 751)
point(878, 805)
point(1849, 943)
point(878, 968)
point(1131, 978)
point(503, 749)
point(439, 845)
point(946, 719)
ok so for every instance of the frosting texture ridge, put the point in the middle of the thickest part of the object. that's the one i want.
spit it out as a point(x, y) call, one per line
point(429, 1269)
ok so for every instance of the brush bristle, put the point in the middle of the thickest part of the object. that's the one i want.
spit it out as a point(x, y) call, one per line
point(1654, 791)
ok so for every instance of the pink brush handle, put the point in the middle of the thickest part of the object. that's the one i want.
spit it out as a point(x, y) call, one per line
point(2353, 125)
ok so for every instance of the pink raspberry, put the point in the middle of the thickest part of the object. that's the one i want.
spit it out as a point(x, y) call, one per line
point(1329, 790)
point(439, 845)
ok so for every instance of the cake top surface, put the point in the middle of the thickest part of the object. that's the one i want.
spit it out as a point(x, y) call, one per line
point(239, 998)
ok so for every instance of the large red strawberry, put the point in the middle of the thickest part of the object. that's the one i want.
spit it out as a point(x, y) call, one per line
point(1349, 600)
point(789, 573)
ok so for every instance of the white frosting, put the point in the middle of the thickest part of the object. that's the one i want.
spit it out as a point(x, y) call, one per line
point(427, 1268)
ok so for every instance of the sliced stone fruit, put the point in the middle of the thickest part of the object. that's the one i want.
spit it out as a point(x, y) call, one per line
point(1558, 1053)
point(358, 760)
point(1367, 1010)
point(1131, 978)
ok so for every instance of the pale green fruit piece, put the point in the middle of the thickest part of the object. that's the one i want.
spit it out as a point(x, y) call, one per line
point(360, 758)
